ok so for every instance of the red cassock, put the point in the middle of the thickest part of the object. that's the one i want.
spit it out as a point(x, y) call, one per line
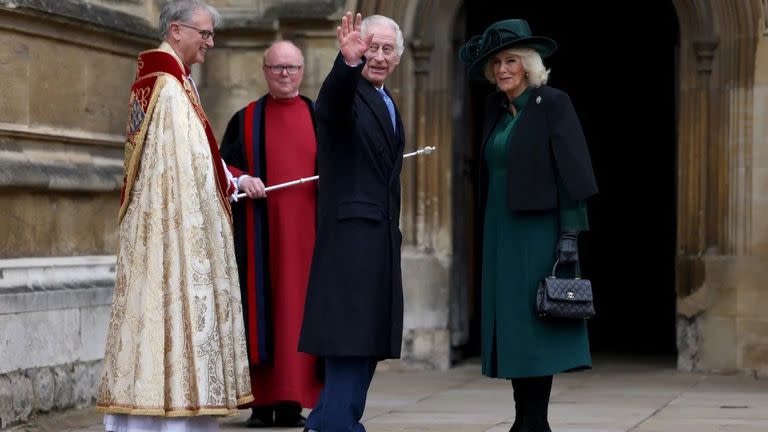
point(288, 152)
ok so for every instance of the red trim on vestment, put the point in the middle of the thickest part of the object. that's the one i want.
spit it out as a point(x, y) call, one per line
point(236, 172)
point(147, 71)
point(154, 62)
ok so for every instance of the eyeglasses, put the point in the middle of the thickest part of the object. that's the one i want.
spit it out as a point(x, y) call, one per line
point(278, 69)
point(205, 34)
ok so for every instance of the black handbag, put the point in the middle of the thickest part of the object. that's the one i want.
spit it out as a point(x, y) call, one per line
point(565, 298)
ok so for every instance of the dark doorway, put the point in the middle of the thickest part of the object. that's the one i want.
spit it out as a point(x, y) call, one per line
point(621, 75)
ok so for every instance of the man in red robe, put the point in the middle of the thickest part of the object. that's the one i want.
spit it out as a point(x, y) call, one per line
point(272, 140)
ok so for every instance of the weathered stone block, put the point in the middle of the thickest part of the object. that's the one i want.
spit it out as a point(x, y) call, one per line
point(119, 18)
point(39, 339)
point(318, 60)
point(6, 401)
point(753, 330)
point(753, 295)
point(23, 393)
point(24, 397)
point(426, 337)
point(760, 147)
point(426, 289)
point(755, 357)
point(718, 344)
point(14, 93)
point(427, 349)
point(758, 241)
point(687, 343)
point(63, 393)
point(722, 299)
point(241, 69)
point(43, 385)
point(85, 384)
point(107, 74)
point(57, 96)
point(93, 330)
point(16, 398)
point(233, 78)
point(750, 301)
point(37, 224)
point(46, 297)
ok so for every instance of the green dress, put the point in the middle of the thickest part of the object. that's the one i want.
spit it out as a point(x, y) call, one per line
point(518, 251)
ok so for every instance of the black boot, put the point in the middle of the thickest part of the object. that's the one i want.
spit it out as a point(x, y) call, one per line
point(518, 388)
point(289, 415)
point(261, 417)
point(538, 393)
point(532, 404)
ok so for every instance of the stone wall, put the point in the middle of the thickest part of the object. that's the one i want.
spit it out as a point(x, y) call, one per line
point(62, 117)
point(722, 189)
point(53, 323)
point(66, 67)
point(752, 305)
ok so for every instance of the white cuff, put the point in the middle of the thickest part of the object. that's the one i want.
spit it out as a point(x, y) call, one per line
point(239, 179)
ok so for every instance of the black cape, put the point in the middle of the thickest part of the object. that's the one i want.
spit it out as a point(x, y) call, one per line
point(547, 143)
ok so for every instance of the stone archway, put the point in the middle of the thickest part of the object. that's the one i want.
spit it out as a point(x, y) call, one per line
point(716, 240)
point(715, 202)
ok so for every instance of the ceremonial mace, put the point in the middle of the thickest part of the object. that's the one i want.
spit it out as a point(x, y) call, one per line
point(425, 151)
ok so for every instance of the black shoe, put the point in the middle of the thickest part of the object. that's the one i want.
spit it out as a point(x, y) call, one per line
point(289, 416)
point(261, 417)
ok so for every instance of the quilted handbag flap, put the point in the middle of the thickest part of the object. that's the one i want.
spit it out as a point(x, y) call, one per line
point(568, 290)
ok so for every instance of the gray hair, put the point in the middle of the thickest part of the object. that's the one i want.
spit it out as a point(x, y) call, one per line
point(182, 11)
point(535, 72)
point(373, 20)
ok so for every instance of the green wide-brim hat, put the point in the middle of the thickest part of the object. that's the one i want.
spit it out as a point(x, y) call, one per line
point(499, 36)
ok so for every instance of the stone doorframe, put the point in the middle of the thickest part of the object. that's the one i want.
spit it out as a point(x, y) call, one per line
point(718, 43)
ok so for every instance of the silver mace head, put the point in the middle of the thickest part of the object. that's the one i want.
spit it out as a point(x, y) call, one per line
point(428, 149)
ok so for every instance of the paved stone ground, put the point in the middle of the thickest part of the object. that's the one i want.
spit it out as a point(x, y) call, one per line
point(616, 396)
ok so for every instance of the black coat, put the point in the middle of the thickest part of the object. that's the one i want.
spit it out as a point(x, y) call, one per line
point(547, 142)
point(354, 303)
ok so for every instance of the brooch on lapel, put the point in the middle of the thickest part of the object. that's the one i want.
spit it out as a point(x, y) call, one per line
point(538, 99)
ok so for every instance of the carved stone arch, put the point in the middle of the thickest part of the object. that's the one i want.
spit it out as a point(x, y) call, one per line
point(717, 157)
point(717, 63)
point(738, 26)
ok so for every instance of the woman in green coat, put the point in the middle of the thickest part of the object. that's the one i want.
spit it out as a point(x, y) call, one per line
point(536, 174)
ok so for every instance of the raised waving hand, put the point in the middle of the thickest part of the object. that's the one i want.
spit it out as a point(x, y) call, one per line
point(351, 43)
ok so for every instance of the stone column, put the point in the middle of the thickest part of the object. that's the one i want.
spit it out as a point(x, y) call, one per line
point(695, 215)
point(426, 166)
point(426, 283)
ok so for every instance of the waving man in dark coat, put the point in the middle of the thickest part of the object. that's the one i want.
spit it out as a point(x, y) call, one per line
point(353, 315)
